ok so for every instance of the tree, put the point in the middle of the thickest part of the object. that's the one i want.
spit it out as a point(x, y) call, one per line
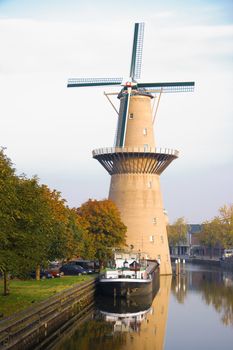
point(219, 230)
point(209, 235)
point(225, 219)
point(104, 225)
point(61, 234)
point(8, 213)
point(69, 231)
point(50, 227)
point(177, 232)
point(35, 224)
point(86, 247)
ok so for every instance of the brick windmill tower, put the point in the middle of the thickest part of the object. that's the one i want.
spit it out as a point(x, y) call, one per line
point(135, 163)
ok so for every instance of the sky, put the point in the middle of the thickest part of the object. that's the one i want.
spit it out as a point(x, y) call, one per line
point(50, 131)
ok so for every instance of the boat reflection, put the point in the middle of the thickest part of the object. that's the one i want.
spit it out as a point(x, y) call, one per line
point(125, 315)
point(137, 323)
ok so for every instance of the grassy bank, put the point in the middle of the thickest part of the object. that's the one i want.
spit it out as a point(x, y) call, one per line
point(24, 293)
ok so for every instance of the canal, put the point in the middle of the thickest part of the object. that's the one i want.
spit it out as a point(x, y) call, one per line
point(192, 311)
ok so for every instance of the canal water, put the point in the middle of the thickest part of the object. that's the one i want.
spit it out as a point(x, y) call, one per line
point(192, 311)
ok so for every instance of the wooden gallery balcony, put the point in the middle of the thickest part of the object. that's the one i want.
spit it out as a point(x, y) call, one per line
point(135, 160)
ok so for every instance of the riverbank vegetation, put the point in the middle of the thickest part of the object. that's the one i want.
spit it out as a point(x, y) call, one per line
point(37, 226)
point(25, 293)
point(177, 232)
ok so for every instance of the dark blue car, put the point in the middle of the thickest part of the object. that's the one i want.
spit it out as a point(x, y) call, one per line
point(72, 270)
point(43, 274)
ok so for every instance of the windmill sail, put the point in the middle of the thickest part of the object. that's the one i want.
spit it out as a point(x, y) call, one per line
point(136, 60)
point(121, 128)
point(82, 82)
point(168, 87)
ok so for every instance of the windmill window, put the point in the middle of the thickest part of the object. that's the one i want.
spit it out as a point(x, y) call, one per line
point(152, 239)
point(150, 184)
point(145, 147)
point(130, 115)
point(161, 238)
point(145, 131)
point(154, 221)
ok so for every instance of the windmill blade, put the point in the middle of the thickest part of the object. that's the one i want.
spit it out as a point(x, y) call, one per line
point(124, 118)
point(82, 82)
point(167, 87)
point(123, 121)
point(136, 60)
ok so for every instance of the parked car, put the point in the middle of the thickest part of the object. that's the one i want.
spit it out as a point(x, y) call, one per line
point(228, 253)
point(72, 270)
point(54, 269)
point(43, 274)
point(85, 264)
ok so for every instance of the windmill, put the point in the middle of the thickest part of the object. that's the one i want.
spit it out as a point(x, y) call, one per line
point(135, 163)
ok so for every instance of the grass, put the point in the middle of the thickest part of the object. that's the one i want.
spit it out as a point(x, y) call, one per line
point(25, 293)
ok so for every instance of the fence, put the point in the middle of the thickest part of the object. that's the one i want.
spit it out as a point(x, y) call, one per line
point(28, 329)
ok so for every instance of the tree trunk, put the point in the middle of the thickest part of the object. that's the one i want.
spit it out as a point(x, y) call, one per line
point(37, 272)
point(6, 290)
point(101, 262)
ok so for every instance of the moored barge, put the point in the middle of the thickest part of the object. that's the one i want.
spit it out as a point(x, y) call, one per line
point(131, 275)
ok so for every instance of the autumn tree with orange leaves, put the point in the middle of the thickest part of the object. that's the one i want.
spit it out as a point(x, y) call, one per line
point(105, 228)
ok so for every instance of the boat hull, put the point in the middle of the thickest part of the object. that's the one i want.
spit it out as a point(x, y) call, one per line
point(127, 287)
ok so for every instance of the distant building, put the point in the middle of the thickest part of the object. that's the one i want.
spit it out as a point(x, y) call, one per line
point(193, 247)
point(191, 244)
point(193, 235)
